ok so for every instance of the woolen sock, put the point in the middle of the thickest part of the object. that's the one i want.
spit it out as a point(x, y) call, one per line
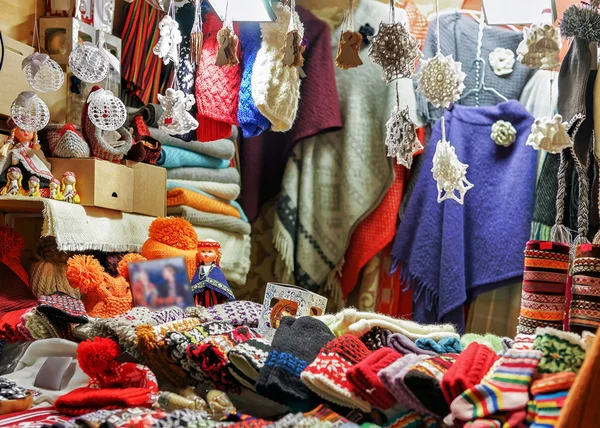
point(561, 351)
point(500, 420)
point(490, 340)
point(363, 376)
point(247, 359)
point(549, 394)
point(402, 344)
point(470, 367)
point(424, 378)
point(296, 344)
point(506, 390)
point(236, 312)
point(327, 374)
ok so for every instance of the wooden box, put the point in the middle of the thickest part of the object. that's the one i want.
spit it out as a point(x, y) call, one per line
point(12, 78)
point(149, 189)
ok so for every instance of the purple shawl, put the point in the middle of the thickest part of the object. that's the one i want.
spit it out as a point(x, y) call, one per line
point(449, 252)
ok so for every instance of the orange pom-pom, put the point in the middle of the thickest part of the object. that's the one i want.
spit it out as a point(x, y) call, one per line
point(97, 356)
point(128, 258)
point(84, 272)
point(175, 232)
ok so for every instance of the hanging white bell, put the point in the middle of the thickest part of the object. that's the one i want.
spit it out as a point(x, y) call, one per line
point(43, 73)
point(106, 111)
point(88, 62)
point(449, 173)
point(549, 134)
point(441, 80)
point(29, 112)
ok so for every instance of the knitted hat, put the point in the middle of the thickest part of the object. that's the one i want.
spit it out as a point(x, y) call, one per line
point(363, 376)
point(172, 237)
point(217, 88)
point(15, 293)
point(144, 144)
point(296, 344)
point(247, 359)
point(402, 344)
point(49, 273)
point(236, 312)
point(112, 384)
point(251, 120)
point(276, 87)
point(392, 377)
point(561, 351)
point(376, 338)
point(470, 367)
point(327, 375)
point(424, 379)
point(67, 142)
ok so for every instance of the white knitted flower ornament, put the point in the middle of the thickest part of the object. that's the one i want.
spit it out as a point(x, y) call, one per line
point(441, 80)
point(502, 61)
point(395, 50)
point(401, 137)
point(503, 133)
point(540, 47)
point(549, 134)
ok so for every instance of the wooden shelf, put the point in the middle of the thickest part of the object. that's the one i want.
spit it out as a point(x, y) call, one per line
point(21, 206)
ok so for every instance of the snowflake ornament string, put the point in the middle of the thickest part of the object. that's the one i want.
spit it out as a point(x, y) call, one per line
point(176, 118)
point(441, 80)
point(549, 134)
point(89, 63)
point(29, 112)
point(167, 46)
point(395, 50)
point(401, 137)
point(106, 111)
point(540, 47)
point(42, 72)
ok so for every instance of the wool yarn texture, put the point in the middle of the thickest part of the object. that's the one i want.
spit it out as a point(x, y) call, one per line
point(402, 344)
point(67, 142)
point(180, 196)
point(424, 378)
point(223, 148)
point(445, 345)
point(584, 308)
point(247, 359)
point(490, 340)
point(233, 204)
point(561, 351)
point(237, 313)
point(228, 191)
point(276, 87)
point(203, 219)
point(174, 157)
point(376, 338)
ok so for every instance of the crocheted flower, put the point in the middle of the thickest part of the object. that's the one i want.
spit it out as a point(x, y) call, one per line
point(561, 352)
point(503, 133)
point(502, 61)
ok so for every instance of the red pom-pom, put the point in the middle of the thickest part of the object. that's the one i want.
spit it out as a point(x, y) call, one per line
point(97, 356)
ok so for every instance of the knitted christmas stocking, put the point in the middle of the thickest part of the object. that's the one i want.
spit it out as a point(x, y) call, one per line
point(507, 388)
point(424, 378)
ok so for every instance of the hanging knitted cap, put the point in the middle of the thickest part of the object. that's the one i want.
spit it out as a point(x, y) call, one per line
point(363, 376)
point(424, 381)
point(561, 351)
point(326, 376)
point(393, 378)
point(67, 142)
point(276, 87)
point(470, 367)
point(247, 359)
point(113, 385)
point(217, 88)
point(296, 344)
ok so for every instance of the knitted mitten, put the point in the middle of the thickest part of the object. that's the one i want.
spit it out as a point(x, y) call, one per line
point(490, 340)
point(376, 338)
point(561, 351)
point(549, 396)
point(363, 376)
point(236, 312)
point(247, 359)
point(393, 379)
point(296, 344)
point(506, 390)
point(424, 378)
point(402, 344)
point(327, 375)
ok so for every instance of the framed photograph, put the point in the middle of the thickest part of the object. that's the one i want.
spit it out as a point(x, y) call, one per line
point(160, 283)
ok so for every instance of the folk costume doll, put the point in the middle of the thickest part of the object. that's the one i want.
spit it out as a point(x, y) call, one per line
point(55, 190)
point(68, 190)
point(13, 182)
point(209, 285)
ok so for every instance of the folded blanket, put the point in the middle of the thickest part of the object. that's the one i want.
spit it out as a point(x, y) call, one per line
point(228, 191)
point(150, 113)
point(225, 175)
point(222, 149)
point(175, 157)
point(179, 196)
point(234, 204)
point(218, 221)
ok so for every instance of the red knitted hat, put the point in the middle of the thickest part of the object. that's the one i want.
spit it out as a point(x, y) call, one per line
point(113, 385)
point(217, 88)
point(469, 368)
point(366, 383)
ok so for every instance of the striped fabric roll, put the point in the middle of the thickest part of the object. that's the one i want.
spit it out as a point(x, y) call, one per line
point(584, 310)
point(544, 286)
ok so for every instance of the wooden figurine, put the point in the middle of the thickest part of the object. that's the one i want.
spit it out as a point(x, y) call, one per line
point(34, 186)
point(13, 185)
point(228, 43)
point(348, 50)
point(293, 50)
point(68, 189)
point(55, 190)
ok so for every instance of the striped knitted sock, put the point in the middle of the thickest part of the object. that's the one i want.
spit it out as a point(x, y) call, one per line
point(548, 407)
point(507, 389)
point(500, 420)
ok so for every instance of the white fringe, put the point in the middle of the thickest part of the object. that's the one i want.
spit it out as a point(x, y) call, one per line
point(284, 245)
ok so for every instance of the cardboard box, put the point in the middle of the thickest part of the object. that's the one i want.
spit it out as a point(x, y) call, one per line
point(12, 78)
point(150, 189)
point(60, 35)
point(100, 183)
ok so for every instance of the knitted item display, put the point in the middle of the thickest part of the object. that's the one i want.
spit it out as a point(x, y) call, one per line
point(112, 384)
point(366, 384)
point(227, 191)
point(412, 419)
point(38, 325)
point(194, 190)
point(584, 310)
point(444, 346)
point(226, 175)
point(217, 221)
point(251, 120)
point(296, 344)
point(549, 395)
point(67, 142)
point(561, 351)
point(49, 273)
point(276, 87)
point(393, 377)
point(236, 312)
point(247, 359)
point(178, 342)
point(147, 146)
point(200, 202)
point(174, 157)
point(376, 338)
point(327, 374)
point(468, 370)
point(9, 326)
point(490, 340)
point(544, 283)
point(402, 344)
point(223, 148)
point(62, 307)
point(424, 378)
point(217, 88)
point(506, 390)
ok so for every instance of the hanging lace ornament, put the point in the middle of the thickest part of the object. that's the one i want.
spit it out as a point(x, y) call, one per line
point(196, 36)
point(549, 134)
point(43, 73)
point(176, 118)
point(293, 49)
point(348, 54)
point(29, 112)
point(88, 62)
point(441, 80)
point(502, 61)
point(106, 111)
point(540, 47)
point(401, 137)
point(503, 133)
point(168, 42)
point(449, 173)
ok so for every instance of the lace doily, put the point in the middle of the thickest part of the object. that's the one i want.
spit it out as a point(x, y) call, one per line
point(502, 61)
point(441, 80)
point(449, 173)
point(176, 118)
point(168, 41)
point(395, 50)
point(401, 137)
point(540, 47)
point(503, 133)
point(43, 73)
point(549, 134)
point(29, 112)
point(88, 63)
point(106, 111)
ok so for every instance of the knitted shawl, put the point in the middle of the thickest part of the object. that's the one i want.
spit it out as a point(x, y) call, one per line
point(452, 252)
point(334, 180)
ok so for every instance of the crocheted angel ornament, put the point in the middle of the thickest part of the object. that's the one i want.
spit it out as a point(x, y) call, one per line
point(169, 40)
point(176, 118)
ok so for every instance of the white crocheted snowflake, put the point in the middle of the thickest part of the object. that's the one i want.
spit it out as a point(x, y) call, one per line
point(441, 80)
point(449, 173)
point(401, 137)
point(395, 50)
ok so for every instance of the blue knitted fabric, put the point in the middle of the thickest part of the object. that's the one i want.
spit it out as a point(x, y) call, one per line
point(251, 120)
point(175, 157)
point(444, 346)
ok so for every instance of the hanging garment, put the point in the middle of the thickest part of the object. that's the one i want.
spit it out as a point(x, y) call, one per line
point(451, 252)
